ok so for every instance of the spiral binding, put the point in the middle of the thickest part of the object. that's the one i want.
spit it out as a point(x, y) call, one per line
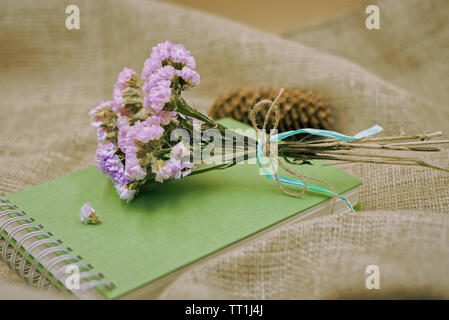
point(50, 249)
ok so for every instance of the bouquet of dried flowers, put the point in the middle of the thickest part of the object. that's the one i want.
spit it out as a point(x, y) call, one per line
point(148, 133)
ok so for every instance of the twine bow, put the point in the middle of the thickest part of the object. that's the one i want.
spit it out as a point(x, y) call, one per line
point(274, 108)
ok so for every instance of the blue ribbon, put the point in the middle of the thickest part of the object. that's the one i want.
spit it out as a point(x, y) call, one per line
point(323, 133)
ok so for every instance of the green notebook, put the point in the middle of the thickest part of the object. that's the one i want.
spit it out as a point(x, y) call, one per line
point(169, 226)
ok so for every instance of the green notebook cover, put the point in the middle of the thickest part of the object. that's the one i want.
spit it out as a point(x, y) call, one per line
point(169, 225)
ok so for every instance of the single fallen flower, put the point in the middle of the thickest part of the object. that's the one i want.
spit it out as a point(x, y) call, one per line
point(88, 214)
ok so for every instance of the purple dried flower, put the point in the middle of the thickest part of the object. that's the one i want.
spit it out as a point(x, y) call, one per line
point(126, 142)
point(189, 75)
point(175, 166)
point(129, 139)
point(123, 126)
point(169, 53)
point(109, 163)
point(153, 120)
point(172, 168)
point(179, 54)
point(102, 106)
point(150, 129)
point(165, 170)
point(85, 212)
point(98, 108)
point(125, 193)
point(147, 133)
point(166, 61)
point(162, 74)
point(98, 119)
point(125, 79)
point(132, 166)
point(118, 105)
point(161, 170)
point(167, 116)
point(158, 96)
point(88, 214)
point(101, 135)
point(158, 54)
point(179, 151)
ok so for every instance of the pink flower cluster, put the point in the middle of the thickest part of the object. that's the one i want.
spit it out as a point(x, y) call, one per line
point(109, 163)
point(164, 53)
point(125, 79)
point(130, 139)
point(98, 120)
point(166, 61)
point(176, 167)
point(142, 131)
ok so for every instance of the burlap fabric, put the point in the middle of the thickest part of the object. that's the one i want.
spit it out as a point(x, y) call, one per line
point(50, 77)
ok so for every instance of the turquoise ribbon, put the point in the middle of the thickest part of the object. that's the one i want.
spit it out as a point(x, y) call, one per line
point(323, 133)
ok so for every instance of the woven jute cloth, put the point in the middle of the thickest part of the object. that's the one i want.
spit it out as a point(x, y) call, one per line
point(50, 77)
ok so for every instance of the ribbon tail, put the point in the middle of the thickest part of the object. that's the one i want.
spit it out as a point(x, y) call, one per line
point(323, 133)
point(294, 182)
point(329, 134)
point(369, 132)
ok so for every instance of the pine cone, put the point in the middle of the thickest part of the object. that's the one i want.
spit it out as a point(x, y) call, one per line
point(299, 108)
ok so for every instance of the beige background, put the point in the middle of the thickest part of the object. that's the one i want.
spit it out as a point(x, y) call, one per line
point(397, 77)
point(273, 16)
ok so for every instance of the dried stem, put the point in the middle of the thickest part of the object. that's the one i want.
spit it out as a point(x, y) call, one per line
point(329, 149)
point(341, 145)
point(417, 162)
point(419, 142)
point(421, 137)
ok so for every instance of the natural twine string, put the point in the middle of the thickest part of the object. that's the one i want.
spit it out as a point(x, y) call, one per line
point(274, 108)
